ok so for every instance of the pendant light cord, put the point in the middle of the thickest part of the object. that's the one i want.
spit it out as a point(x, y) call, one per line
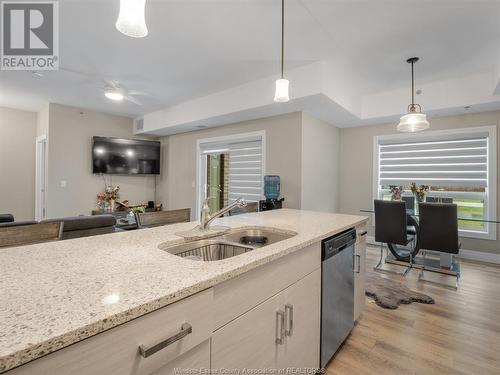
point(282, 36)
point(412, 86)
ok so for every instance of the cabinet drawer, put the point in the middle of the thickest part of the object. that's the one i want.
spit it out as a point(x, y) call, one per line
point(197, 359)
point(116, 351)
point(237, 296)
point(361, 233)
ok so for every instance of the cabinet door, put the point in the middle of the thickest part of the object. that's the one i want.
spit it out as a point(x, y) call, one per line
point(249, 340)
point(302, 323)
point(359, 278)
point(197, 359)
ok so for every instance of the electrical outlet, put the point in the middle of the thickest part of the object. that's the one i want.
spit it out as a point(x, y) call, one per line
point(64, 183)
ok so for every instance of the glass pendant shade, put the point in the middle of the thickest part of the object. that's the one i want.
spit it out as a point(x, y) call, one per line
point(413, 122)
point(281, 94)
point(131, 19)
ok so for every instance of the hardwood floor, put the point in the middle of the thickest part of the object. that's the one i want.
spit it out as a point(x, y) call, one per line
point(458, 335)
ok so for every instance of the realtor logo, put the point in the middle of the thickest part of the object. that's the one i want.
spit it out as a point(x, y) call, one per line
point(30, 35)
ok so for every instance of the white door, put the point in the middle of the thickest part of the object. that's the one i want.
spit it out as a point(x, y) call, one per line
point(41, 178)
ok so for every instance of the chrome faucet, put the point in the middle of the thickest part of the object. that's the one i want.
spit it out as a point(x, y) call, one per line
point(206, 218)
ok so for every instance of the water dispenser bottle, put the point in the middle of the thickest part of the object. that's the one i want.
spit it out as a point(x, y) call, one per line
point(272, 187)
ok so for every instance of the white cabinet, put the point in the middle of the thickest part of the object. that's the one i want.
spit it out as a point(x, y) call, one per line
point(359, 271)
point(116, 351)
point(196, 358)
point(303, 310)
point(283, 331)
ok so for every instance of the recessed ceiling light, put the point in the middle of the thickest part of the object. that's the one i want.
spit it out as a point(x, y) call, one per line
point(37, 74)
point(114, 94)
point(467, 107)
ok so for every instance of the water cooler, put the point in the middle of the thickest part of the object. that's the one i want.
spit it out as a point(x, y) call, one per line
point(272, 193)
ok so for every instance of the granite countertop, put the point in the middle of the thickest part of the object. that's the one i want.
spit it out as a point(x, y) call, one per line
point(55, 294)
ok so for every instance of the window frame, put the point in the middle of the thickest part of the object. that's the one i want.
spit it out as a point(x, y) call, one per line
point(490, 195)
point(200, 170)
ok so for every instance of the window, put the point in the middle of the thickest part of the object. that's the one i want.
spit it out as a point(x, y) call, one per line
point(457, 165)
point(231, 167)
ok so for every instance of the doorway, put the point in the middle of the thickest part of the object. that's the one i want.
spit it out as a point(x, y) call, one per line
point(217, 181)
point(41, 178)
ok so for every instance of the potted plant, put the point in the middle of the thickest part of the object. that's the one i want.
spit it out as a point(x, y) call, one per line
point(396, 192)
point(420, 191)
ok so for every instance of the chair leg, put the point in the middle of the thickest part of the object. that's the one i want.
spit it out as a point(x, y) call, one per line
point(421, 272)
point(381, 262)
point(409, 267)
point(378, 267)
point(455, 259)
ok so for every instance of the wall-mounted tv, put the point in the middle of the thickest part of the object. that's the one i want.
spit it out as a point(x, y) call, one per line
point(125, 156)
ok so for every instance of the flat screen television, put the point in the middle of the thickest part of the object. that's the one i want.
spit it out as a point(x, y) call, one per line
point(125, 156)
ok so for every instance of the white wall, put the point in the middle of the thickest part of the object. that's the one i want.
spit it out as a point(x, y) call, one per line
point(176, 186)
point(17, 163)
point(356, 165)
point(320, 165)
point(70, 141)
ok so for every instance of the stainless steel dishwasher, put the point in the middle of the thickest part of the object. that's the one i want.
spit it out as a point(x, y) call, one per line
point(337, 292)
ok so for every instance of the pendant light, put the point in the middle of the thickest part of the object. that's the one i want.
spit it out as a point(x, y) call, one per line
point(414, 120)
point(131, 19)
point(281, 93)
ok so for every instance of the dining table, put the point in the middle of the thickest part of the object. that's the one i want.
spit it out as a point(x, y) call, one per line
point(444, 261)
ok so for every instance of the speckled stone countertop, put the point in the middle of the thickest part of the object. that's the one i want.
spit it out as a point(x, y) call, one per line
point(55, 294)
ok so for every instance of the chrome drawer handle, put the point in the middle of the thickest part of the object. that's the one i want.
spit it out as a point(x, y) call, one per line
point(362, 234)
point(280, 327)
point(289, 313)
point(186, 329)
point(359, 263)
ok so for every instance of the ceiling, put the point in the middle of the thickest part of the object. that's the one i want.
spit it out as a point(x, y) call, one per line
point(199, 47)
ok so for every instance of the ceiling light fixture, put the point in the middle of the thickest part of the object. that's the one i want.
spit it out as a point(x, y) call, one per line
point(414, 120)
point(113, 94)
point(131, 19)
point(281, 93)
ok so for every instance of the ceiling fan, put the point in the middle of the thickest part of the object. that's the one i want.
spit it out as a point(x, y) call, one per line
point(111, 89)
point(114, 91)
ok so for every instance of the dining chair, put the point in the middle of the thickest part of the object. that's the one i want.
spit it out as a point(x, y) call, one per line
point(20, 235)
point(250, 207)
point(439, 232)
point(391, 227)
point(85, 226)
point(410, 202)
point(158, 218)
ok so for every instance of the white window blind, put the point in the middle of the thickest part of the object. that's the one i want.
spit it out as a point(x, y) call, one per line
point(444, 162)
point(245, 170)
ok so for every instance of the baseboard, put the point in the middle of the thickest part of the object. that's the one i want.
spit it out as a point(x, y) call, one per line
point(464, 253)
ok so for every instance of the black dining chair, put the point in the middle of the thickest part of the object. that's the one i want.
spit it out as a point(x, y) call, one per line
point(391, 227)
point(439, 232)
point(410, 202)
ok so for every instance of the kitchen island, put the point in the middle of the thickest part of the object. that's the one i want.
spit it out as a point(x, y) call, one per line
point(101, 298)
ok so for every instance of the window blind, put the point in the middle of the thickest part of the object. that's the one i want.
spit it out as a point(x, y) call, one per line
point(452, 162)
point(245, 170)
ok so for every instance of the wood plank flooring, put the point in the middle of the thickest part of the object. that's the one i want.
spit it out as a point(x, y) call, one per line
point(458, 335)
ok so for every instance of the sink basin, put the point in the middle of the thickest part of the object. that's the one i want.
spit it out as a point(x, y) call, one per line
point(207, 250)
point(257, 237)
point(229, 245)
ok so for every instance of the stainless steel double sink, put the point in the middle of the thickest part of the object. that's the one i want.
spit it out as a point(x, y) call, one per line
point(228, 245)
